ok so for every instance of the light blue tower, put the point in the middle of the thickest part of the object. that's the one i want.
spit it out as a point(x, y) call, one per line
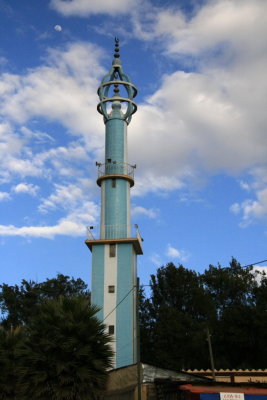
point(116, 244)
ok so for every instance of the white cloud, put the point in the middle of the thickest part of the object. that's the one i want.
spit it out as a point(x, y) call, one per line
point(22, 167)
point(74, 224)
point(3, 60)
point(148, 181)
point(64, 227)
point(148, 212)
point(4, 196)
point(26, 188)
point(198, 123)
point(37, 136)
point(174, 253)
point(84, 8)
point(65, 196)
point(218, 25)
point(212, 119)
point(235, 208)
point(156, 259)
point(10, 146)
point(252, 209)
point(16, 156)
point(87, 213)
point(244, 185)
point(66, 161)
point(68, 196)
point(62, 90)
point(68, 76)
point(259, 272)
point(193, 122)
point(259, 177)
point(58, 161)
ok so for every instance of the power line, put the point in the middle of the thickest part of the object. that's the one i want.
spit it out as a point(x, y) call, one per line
point(127, 294)
point(242, 266)
point(254, 263)
point(149, 285)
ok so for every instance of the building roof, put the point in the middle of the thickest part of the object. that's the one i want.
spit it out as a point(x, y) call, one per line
point(222, 388)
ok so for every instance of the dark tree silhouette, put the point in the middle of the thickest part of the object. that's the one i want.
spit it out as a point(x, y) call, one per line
point(9, 341)
point(231, 302)
point(65, 354)
point(19, 303)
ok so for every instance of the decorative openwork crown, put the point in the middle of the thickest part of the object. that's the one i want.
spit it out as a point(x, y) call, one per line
point(116, 80)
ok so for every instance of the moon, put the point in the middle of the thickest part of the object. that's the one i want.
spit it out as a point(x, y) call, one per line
point(58, 28)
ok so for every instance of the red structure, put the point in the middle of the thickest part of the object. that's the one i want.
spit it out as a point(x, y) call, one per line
point(223, 392)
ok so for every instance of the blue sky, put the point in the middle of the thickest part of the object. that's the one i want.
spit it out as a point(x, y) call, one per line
point(199, 137)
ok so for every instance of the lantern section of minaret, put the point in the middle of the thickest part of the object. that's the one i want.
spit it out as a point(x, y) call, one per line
point(116, 244)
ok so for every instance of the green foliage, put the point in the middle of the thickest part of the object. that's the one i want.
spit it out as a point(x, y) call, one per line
point(183, 304)
point(65, 354)
point(9, 340)
point(52, 346)
point(62, 353)
point(231, 286)
point(19, 303)
point(178, 308)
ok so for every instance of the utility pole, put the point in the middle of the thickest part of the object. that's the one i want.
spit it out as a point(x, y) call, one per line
point(138, 360)
point(211, 355)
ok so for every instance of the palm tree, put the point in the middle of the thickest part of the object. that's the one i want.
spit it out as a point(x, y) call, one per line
point(9, 340)
point(66, 353)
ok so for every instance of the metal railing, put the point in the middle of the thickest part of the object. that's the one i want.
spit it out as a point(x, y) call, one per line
point(113, 232)
point(115, 168)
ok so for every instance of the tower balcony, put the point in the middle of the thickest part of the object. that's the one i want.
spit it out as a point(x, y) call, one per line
point(111, 234)
point(114, 169)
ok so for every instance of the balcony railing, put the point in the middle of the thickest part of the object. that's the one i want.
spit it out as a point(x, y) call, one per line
point(115, 168)
point(113, 232)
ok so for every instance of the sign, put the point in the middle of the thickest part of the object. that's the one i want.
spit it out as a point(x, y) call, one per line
point(232, 396)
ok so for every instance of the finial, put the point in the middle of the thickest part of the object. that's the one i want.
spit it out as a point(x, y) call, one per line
point(116, 88)
point(117, 54)
point(115, 80)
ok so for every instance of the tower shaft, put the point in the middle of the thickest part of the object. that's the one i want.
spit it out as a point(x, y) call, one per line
point(115, 248)
point(115, 189)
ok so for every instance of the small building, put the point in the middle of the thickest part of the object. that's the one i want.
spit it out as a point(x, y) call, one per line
point(163, 384)
point(233, 375)
point(222, 391)
point(123, 382)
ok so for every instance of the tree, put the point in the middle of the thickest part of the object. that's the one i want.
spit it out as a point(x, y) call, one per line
point(65, 354)
point(231, 302)
point(261, 320)
point(230, 286)
point(234, 331)
point(146, 326)
point(9, 340)
point(179, 309)
point(19, 303)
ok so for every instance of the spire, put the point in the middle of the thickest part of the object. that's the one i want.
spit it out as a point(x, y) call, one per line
point(116, 55)
point(117, 50)
point(117, 80)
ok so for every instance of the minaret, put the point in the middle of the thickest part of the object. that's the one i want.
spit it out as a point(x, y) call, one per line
point(115, 246)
